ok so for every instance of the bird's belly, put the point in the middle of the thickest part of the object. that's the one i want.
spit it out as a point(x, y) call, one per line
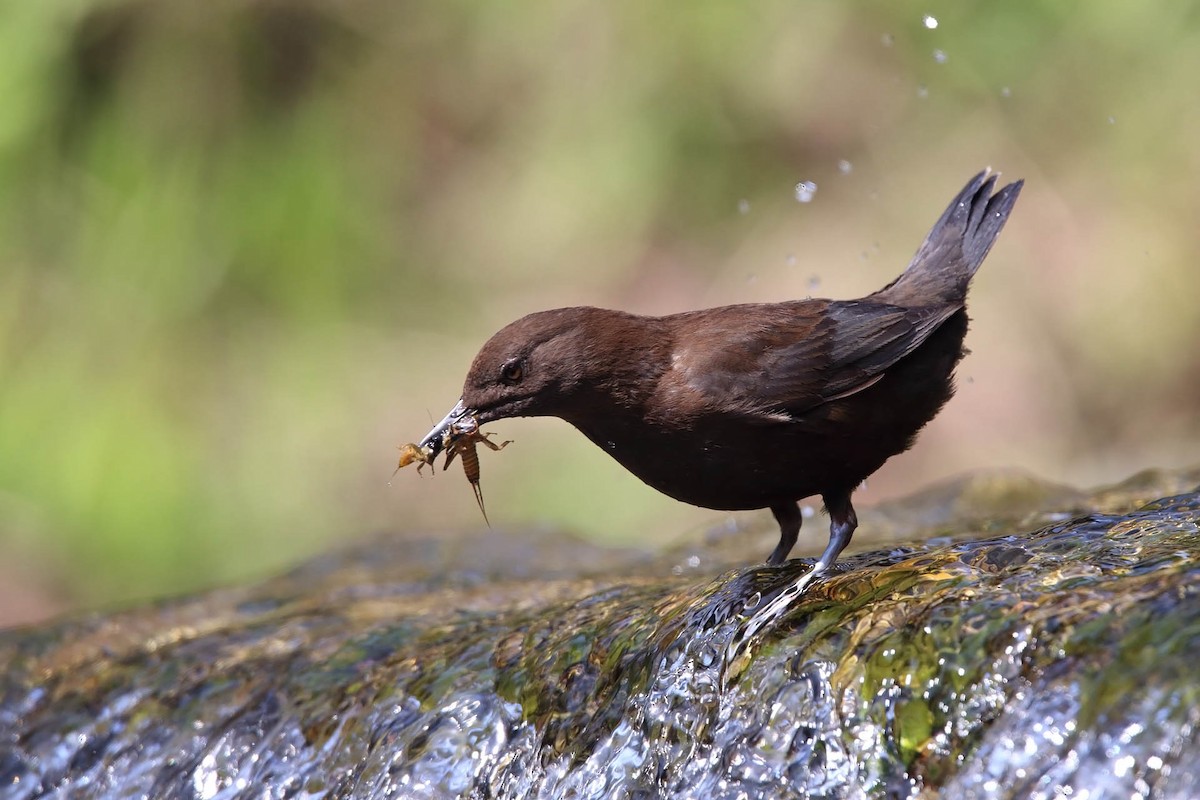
point(751, 470)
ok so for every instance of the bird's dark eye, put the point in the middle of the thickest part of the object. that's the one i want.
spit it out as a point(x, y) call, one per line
point(512, 371)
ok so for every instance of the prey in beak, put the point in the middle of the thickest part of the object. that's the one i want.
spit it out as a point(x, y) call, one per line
point(457, 434)
point(441, 435)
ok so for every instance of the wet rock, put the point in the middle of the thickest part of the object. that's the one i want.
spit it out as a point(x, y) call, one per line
point(1046, 647)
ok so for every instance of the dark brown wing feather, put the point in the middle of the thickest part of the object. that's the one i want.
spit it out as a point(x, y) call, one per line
point(799, 355)
point(867, 338)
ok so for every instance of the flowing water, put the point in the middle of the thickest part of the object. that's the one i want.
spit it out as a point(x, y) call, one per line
point(1048, 661)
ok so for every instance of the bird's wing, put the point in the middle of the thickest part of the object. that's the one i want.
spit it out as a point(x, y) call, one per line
point(789, 358)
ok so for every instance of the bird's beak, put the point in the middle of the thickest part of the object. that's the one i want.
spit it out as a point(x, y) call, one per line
point(436, 437)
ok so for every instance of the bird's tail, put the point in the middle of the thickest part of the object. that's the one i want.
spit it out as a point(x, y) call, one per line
point(948, 258)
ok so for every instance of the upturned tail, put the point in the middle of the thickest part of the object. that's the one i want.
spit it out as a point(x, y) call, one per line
point(942, 269)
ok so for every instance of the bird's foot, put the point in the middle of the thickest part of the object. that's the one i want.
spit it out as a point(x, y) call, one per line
point(762, 617)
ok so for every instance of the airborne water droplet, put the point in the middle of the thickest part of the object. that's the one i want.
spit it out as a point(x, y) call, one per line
point(939, 56)
point(743, 206)
point(845, 167)
point(805, 190)
point(929, 21)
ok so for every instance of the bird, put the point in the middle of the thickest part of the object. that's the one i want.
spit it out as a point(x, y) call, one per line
point(754, 405)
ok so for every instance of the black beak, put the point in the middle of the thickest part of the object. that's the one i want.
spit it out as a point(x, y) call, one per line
point(436, 437)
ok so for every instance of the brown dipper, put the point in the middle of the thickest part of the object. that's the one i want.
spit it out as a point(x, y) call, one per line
point(757, 405)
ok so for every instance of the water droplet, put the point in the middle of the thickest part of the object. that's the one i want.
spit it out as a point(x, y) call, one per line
point(1005, 91)
point(930, 21)
point(939, 56)
point(790, 260)
point(693, 561)
point(845, 167)
point(814, 282)
point(805, 190)
point(922, 91)
point(887, 40)
point(1112, 120)
point(743, 206)
point(751, 278)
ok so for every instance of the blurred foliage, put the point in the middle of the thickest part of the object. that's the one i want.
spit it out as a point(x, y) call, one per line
point(248, 246)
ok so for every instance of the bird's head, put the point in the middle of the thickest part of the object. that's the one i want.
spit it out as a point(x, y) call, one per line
point(530, 368)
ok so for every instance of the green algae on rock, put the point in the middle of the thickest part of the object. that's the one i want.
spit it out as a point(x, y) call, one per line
point(994, 661)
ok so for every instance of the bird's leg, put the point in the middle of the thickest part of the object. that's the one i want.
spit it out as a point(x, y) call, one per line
point(842, 522)
point(789, 519)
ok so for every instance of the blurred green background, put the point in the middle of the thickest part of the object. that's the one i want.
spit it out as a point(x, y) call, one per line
point(247, 247)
